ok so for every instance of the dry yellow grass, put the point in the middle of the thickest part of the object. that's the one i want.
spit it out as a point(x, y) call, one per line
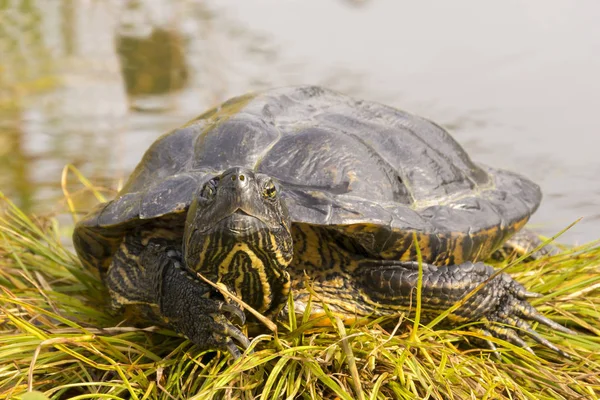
point(56, 338)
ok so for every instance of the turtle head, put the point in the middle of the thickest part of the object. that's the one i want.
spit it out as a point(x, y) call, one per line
point(238, 232)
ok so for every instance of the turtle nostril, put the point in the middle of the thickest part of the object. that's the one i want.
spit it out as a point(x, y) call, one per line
point(241, 177)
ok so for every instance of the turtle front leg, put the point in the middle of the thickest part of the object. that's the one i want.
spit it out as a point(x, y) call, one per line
point(186, 305)
point(501, 302)
point(180, 300)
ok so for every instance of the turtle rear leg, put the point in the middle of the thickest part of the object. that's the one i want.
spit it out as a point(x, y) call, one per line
point(521, 243)
point(501, 303)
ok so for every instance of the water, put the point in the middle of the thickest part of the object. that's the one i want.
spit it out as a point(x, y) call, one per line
point(94, 83)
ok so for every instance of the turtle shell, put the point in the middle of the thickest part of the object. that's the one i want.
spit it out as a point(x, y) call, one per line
point(377, 174)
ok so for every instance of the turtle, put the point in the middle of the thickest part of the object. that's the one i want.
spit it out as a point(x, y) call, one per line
point(303, 191)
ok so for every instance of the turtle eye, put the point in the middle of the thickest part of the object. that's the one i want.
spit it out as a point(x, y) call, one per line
point(269, 190)
point(209, 189)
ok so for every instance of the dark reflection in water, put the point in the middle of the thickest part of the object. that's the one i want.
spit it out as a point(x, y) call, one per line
point(153, 64)
point(93, 83)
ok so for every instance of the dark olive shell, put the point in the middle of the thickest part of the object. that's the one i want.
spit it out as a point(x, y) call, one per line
point(368, 170)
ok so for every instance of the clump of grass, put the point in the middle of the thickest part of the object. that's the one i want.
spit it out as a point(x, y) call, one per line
point(57, 338)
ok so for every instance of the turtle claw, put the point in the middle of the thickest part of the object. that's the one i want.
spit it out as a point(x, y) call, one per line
point(234, 314)
point(509, 334)
point(240, 338)
point(486, 342)
point(231, 314)
point(525, 327)
point(545, 342)
point(233, 350)
point(227, 333)
point(511, 314)
point(231, 331)
point(531, 295)
point(528, 312)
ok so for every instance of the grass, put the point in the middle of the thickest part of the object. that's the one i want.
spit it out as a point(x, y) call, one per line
point(57, 341)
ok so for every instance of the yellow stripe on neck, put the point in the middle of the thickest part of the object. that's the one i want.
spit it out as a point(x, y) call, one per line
point(258, 267)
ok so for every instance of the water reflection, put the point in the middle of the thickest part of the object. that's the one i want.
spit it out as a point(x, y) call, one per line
point(93, 83)
point(24, 71)
point(152, 56)
point(76, 74)
point(15, 164)
point(154, 64)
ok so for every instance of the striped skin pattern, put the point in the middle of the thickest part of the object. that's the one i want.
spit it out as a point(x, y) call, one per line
point(251, 268)
point(130, 277)
point(354, 284)
point(336, 268)
point(342, 278)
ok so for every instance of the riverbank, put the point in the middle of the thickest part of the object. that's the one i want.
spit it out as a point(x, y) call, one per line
point(57, 338)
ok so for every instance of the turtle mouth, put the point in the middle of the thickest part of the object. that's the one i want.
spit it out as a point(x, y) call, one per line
point(240, 223)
